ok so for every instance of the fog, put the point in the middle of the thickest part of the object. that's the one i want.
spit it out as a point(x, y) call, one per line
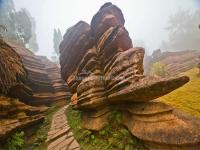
point(146, 20)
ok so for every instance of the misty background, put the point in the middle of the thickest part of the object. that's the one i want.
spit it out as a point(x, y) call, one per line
point(151, 24)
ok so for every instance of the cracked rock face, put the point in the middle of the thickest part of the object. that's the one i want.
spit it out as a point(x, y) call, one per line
point(104, 70)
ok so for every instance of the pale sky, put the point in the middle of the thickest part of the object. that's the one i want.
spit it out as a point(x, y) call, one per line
point(144, 19)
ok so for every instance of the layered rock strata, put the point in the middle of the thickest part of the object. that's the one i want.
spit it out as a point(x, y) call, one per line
point(28, 79)
point(105, 72)
point(41, 84)
point(16, 116)
point(174, 62)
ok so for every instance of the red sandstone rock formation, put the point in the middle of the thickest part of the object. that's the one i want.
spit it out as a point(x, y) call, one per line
point(174, 62)
point(43, 84)
point(105, 72)
point(12, 71)
point(34, 80)
point(15, 116)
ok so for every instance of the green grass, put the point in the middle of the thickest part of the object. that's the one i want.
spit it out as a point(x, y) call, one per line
point(187, 98)
point(16, 141)
point(37, 140)
point(112, 137)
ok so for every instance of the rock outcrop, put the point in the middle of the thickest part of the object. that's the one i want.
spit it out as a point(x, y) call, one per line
point(12, 71)
point(105, 72)
point(15, 116)
point(39, 82)
point(174, 62)
point(29, 80)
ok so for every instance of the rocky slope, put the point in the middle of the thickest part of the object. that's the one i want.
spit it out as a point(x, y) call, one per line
point(174, 62)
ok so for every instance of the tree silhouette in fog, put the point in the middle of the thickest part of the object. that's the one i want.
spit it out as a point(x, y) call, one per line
point(20, 25)
point(57, 38)
point(184, 33)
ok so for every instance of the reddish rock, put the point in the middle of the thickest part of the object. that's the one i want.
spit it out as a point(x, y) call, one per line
point(12, 71)
point(174, 62)
point(108, 73)
point(108, 16)
point(41, 83)
point(77, 41)
point(15, 116)
point(154, 123)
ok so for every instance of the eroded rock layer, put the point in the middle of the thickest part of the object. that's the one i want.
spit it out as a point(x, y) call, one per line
point(12, 71)
point(105, 72)
point(15, 116)
point(174, 62)
point(29, 80)
point(43, 85)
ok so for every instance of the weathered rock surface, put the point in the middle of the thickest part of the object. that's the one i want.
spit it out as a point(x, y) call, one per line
point(108, 74)
point(110, 70)
point(15, 116)
point(159, 128)
point(76, 41)
point(34, 80)
point(174, 62)
point(12, 70)
point(40, 82)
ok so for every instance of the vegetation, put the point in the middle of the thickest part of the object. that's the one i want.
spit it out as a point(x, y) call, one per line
point(16, 141)
point(183, 33)
point(57, 38)
point(158, 69)
point(20, 26)
point(187, 97)
point(113, 137)
point(37, 140)
point(32, 44)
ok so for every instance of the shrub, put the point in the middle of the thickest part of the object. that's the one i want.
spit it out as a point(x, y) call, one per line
point(16, 141)
point(159, 69)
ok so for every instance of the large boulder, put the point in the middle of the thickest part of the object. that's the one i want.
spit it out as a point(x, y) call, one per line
point(108, 74)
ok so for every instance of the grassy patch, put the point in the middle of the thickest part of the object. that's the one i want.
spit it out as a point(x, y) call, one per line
point(16, 141)
point(37, 140)
point(113, 137)
point(187, 97)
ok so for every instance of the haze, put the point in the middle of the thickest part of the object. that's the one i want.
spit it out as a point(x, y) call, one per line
point(145, 20)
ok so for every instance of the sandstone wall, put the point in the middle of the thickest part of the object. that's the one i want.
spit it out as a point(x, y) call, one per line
point(43, 84)
point(28, 79)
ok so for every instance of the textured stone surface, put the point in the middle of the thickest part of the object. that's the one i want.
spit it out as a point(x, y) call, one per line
point(154, 123)
point(110, 70)
point(12, 72)
point(76, 41)
point(108, 74)
point(174, 62)
point(108, 16)
point(59, 135)
point(39, 81)
point(95, 120)
point(15, 115)
point(34, 80)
